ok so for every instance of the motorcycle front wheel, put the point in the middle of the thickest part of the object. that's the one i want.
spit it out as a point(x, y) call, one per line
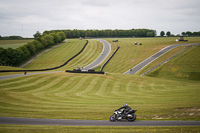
point(131, 118)
point(113, 118)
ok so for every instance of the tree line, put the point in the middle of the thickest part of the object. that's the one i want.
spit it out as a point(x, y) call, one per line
point(187, 33)
point(15, 57)
point(106, 33)
point(10, 37)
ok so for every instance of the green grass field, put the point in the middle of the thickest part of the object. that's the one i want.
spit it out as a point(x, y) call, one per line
point(164, 96)
point(130, 55)
point(72, 129)
point(85, 96)
point(13, 43)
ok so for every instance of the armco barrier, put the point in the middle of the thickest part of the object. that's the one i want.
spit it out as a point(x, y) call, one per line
point(109, 59)
point(48, 68)
point(79, 71)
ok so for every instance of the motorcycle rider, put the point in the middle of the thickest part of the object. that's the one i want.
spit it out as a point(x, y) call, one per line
point(125, 108)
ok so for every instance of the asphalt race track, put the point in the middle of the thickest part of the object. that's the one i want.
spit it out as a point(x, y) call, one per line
point(63, 122)
point(102, 57)
point(19, 75)
point(139, 66)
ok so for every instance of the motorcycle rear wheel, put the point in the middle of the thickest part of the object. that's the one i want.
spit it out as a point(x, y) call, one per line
point(113, 118)
point(133, 118)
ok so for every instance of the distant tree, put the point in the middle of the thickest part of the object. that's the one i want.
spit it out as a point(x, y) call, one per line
point(2, 56)
point(57, 38)
point(25, 51)
point(150, 34)
point(189, 33)
point(20, 56)
point(38, 45)
point(14, 37)
point(198, 33)
point(172, 35)
point(168, 33)
point(37, 35)
point(195, 33)
point(62, 35)
point(183, 34)
point(31, 47)
point(47, 40)
point(162, 33)
point(11, 58)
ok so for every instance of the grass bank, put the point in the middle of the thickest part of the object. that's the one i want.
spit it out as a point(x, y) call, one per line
point(57, 56)
point(88, 96)
point(72, 129)
point(60, 54)
point(185, 65)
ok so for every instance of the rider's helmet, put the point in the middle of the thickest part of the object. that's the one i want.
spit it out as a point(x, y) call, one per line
point(125, 104)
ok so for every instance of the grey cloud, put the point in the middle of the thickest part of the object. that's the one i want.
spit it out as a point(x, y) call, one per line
point(93, 3)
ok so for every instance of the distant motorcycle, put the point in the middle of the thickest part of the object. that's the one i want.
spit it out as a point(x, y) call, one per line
point(119, 115)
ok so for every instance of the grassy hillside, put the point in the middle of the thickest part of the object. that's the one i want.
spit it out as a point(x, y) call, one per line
point(87, 96)
point(13, 43)
point(91, 52)
point(186, 65)
point(59, 55)
point(130, 55)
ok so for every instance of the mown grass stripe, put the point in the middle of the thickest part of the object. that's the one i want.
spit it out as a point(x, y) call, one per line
point(24, 83)
point(60, 99)
point(33, 86)
point(16, 82)
point(87, 88)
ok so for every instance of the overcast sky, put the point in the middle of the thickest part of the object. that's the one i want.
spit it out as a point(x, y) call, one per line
point(25, 17)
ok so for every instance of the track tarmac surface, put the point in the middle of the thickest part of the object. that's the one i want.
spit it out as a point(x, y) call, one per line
point(19, 75)
point(65, 122)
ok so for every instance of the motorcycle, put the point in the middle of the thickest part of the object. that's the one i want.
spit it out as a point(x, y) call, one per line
point(119, 115)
